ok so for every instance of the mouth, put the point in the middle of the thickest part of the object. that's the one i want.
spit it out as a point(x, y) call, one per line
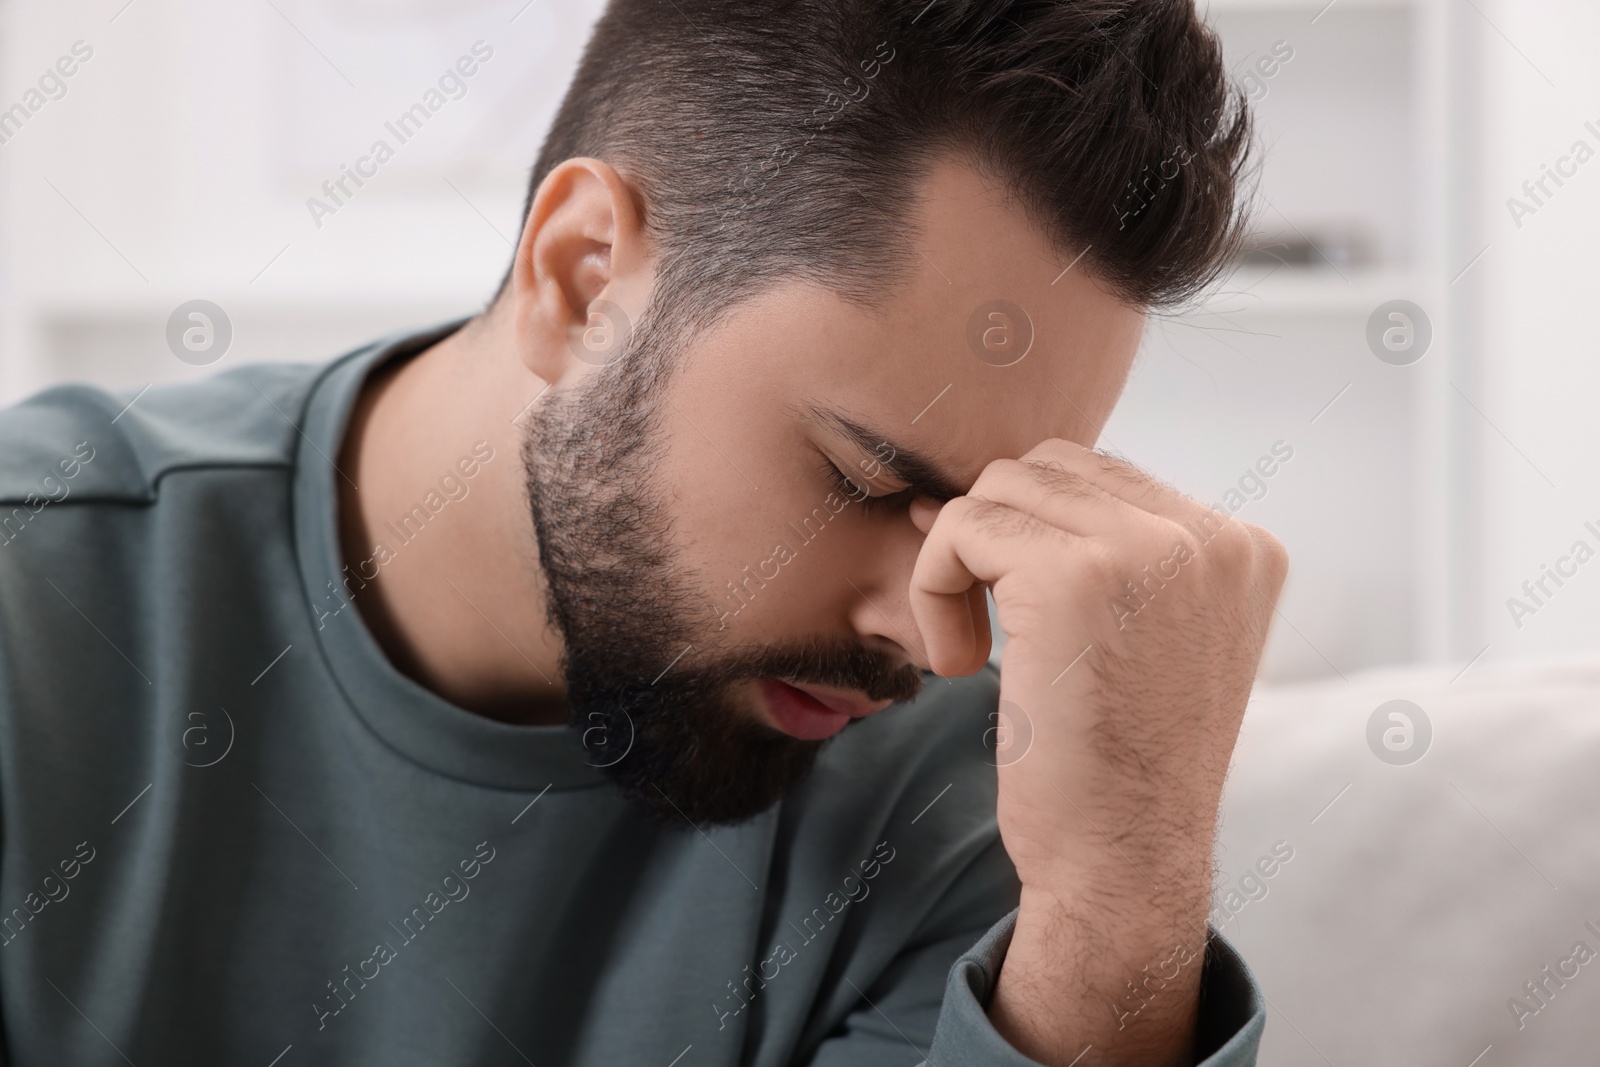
point(812, 713)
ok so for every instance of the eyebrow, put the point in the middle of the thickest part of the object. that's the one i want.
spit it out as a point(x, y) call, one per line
point(921, 473)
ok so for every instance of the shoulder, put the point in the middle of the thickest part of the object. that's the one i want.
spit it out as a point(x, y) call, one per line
point(84, 443)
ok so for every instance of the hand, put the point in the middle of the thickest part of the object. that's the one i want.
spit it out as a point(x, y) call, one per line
point(1135, 620)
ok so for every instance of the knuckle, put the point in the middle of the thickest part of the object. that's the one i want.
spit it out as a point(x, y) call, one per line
point(1058, 449)
point(1057, 480)
point(1232, 548)
point(993, 518)
point(957, 509)
point(1133, 483)
point(995, 478)
point(1272, 556)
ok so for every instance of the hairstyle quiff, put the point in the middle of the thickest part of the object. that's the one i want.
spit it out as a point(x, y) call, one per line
point(780, 139)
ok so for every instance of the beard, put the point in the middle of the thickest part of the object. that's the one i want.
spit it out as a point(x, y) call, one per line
point(653, 697)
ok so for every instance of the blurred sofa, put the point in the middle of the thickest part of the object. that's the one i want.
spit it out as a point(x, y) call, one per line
point(1438, 907)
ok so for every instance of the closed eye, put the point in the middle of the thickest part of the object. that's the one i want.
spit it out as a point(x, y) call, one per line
point(858, 493)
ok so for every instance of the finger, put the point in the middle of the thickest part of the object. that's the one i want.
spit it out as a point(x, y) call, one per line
point(923, 510)
point(971, 543)
point(1128, 483)
point(1066, 499)
point(978, 605)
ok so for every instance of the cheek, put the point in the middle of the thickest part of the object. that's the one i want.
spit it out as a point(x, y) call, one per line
point(770, 567)
point(773, 563)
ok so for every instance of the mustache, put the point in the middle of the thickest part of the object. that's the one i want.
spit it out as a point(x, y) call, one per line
point(838, 664)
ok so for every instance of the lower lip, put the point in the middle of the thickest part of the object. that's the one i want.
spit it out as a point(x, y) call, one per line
point(799, 714)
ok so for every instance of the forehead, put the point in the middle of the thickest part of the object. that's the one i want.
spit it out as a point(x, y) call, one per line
point(995, 342)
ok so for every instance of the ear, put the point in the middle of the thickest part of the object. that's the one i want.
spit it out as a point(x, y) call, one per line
point(582, 274)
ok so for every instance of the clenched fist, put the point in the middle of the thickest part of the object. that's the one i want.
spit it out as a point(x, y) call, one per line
point(1135, 619)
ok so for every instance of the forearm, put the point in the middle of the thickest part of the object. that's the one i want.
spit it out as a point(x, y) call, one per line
point(1094, 986)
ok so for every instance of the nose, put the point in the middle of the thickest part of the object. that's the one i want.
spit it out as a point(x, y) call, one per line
point(880, 597)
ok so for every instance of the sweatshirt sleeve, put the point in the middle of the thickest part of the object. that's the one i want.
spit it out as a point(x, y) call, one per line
point(1232, 1014)
point(906, 1018)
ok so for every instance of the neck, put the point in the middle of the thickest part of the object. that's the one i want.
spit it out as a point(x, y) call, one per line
point(457, 604)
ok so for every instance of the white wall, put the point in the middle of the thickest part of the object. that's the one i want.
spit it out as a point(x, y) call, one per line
point(1541, 362)
point(179, 163)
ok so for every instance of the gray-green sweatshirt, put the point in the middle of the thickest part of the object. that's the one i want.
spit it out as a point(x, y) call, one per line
point(233, 833)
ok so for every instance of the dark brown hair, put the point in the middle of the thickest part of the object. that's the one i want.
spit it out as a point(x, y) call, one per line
point(782, 139)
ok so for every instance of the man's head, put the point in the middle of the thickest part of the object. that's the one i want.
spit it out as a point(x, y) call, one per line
point(898, 239)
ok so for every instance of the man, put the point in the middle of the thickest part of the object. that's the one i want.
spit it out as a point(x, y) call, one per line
point(520, 691)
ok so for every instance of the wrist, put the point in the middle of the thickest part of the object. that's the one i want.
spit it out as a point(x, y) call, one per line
point(1134, 886)
point(1108, 944)
point(1076, 979)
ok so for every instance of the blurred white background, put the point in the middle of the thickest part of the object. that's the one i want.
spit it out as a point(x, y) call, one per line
point(179, 162)
point(1418, 500)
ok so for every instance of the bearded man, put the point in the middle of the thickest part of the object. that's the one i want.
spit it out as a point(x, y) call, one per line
point(606, 678)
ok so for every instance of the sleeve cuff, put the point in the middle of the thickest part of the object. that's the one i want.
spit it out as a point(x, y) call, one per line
point(1227, 1034)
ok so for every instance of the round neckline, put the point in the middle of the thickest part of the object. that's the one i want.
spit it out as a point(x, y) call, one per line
point(422, 726)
